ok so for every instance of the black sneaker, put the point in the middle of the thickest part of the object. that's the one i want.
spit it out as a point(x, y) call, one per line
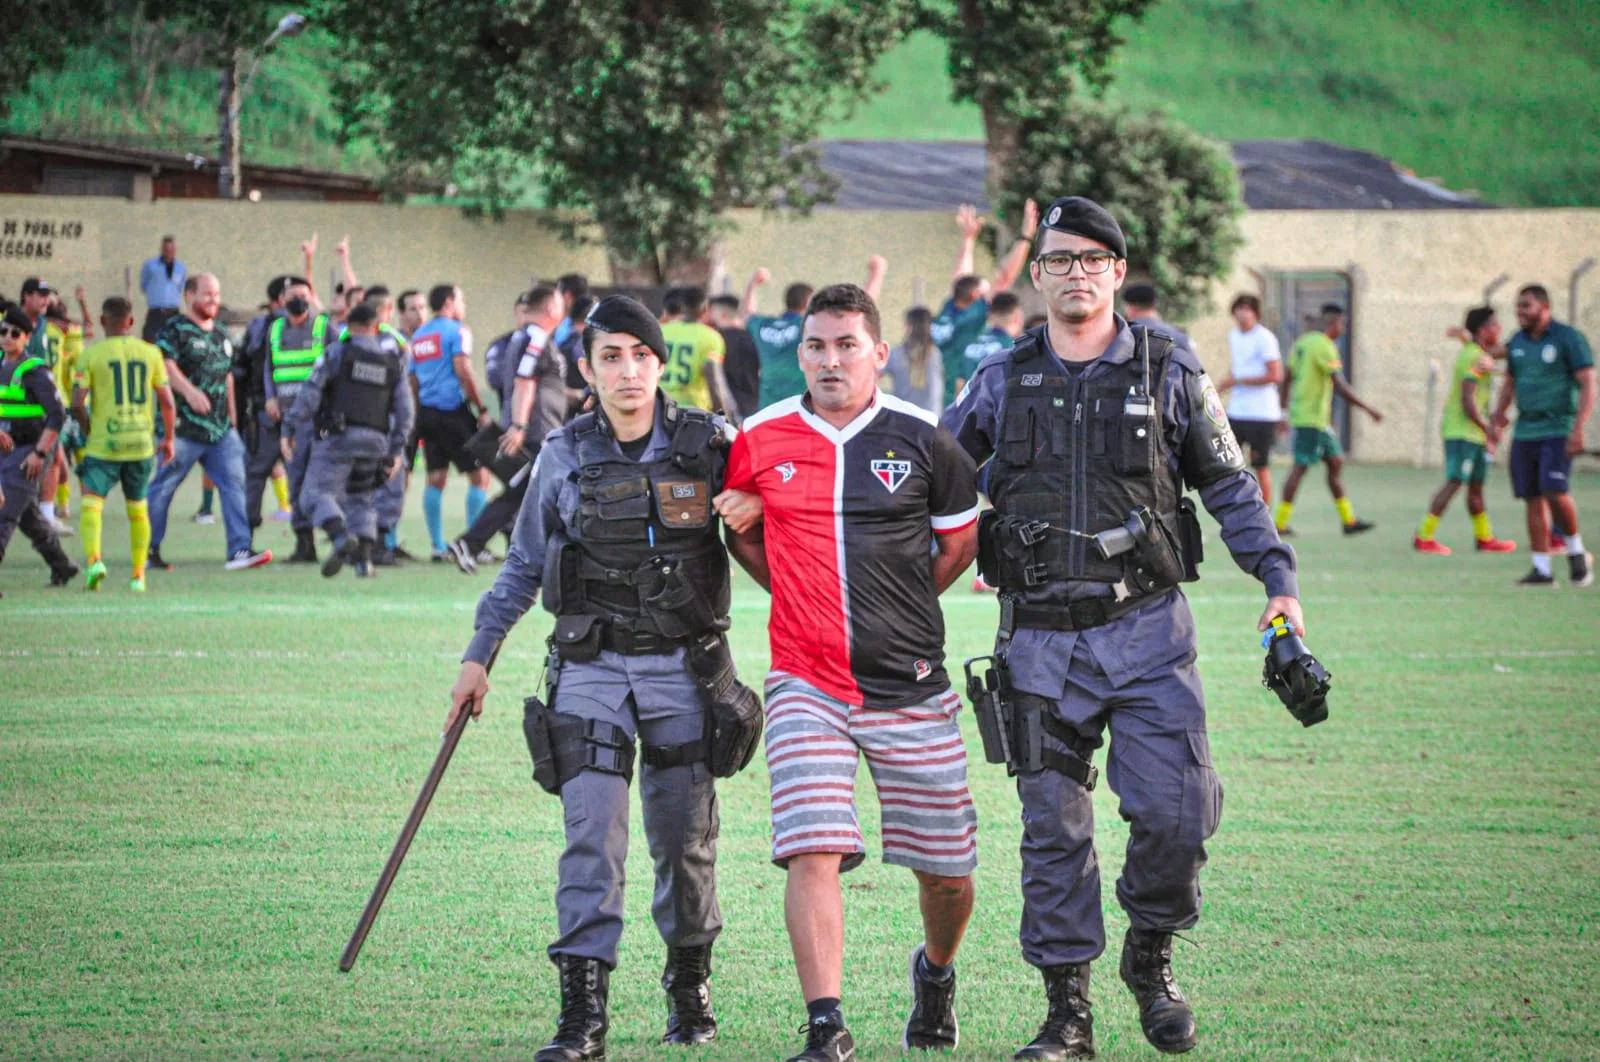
point(461, 553)
point(385, 558)
point(1580, 568)
point(1533, 578)
point(336, 558)
point(827, 1040)
point(63, 576)
point(932, 1025)
point(155, 560)
point(1355, 527)
point(400, 553)
point(248, 558)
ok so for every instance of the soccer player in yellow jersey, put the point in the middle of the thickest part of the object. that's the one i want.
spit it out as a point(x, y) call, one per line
point(1309, 384)
point(119, 383)
point(695, 351)
point(63, 343)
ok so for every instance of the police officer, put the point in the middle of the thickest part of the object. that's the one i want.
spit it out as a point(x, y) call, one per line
point(31, 416)
point(620, 530)
point(1094, 428)
point(294, 343)
point(354, 413)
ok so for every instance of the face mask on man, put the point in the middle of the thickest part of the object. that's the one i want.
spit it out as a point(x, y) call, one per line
point(296, 306)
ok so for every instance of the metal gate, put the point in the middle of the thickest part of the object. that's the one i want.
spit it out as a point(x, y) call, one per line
point(1293, 307)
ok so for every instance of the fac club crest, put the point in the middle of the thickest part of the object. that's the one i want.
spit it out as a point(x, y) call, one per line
point(891, 473)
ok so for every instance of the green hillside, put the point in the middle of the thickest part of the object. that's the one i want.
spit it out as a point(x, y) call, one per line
point(1494, 96)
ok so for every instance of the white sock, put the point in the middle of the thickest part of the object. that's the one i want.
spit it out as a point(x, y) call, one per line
point(1574, 545)
point(1541, 563)
point(49, 510)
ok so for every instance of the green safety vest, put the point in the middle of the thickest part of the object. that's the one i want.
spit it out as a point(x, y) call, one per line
point(294, 366)
point(14, 404)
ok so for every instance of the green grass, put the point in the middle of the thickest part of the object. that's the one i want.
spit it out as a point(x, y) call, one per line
point(199, 786)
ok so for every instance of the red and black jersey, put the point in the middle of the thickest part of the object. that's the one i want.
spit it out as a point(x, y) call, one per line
point(849, 518)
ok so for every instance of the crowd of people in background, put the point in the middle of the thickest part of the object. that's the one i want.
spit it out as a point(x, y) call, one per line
point(232, 402)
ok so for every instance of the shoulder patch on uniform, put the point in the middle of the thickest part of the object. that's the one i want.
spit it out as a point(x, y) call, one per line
point(1212, 402)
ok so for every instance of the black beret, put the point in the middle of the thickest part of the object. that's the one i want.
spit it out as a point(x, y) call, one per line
point(1139, 295)
point(17, 319)
point(619, 313)
point(1085, 217)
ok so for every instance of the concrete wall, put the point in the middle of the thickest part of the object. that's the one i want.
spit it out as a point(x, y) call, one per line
point(1414, 273)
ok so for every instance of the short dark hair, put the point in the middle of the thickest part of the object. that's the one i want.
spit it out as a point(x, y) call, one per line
point(537, 298)
point(406, 294)
point(191, 283)
point(847, 298)
point(581, 305)
point(363, 313)
point(353, 289)
point(169, 239)
point(1479, 316)
point(966, 287)
point(275, 287)
point(1537, 291)
point(796, 297)
point(377, 291)
point(440, 294)
point(574, 284)
point(693, 297)
point(1246, 300)
point(724, 302)
point(56, 311)
point(116, 308)
point(1004, 304)
point(1332, 309)
point(672, 302)
point(1141, 295)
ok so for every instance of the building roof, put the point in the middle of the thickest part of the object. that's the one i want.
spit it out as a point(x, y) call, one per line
point(1277, 175)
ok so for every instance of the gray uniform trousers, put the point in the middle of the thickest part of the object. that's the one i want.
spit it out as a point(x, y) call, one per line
point(21, 509)
point(258, 469)
point(654, 698)
point(324, 495)
point(391, 499)
point(1159, 765)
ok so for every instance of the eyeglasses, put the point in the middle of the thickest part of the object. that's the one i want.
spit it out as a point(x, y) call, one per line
point(11, 332)
point(1059, 263)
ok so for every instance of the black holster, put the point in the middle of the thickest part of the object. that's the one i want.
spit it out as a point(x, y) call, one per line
point(677, 607)
point(536, 729)
point(735, 716)
point(1013, 724)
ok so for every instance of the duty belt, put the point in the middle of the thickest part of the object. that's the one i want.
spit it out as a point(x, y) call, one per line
point(636, 642)
point(1080, 615)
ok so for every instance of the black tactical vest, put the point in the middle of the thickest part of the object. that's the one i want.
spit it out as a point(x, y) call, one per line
point(363, 391)
point(647, 550)
point(1080, 456)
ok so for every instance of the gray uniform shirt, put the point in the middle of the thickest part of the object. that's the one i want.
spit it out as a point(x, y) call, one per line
point(402, 411)
point(549, 512)
point(1161, 634)
point(530, 355)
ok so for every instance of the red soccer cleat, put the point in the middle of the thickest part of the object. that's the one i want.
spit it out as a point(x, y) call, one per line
point(1496, 545)
point(1428, 545)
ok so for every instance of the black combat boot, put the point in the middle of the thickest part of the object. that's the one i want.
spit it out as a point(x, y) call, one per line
point(581, 1032)
point(1068, 1029)
point(687, 983)
point(365, 559)
point(1166, 1016)
point(305, 549)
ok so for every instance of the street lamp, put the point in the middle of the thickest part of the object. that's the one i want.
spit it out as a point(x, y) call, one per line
point(233, 95)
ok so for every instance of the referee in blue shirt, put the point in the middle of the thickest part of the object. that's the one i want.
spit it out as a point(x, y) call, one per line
point(161, 279)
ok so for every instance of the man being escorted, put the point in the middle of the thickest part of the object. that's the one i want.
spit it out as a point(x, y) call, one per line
point(1550, 376)
point(1094, 428)
point(295, 342)
point(870, 512)
point(31, 416)
point(354, 412)
point(620, 532)
point(118, 383)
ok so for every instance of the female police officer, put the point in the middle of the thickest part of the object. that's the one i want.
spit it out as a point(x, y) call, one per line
point(621, 532)
point(1094, 427)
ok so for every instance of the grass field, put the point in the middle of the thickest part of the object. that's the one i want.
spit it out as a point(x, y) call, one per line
point(199, 786)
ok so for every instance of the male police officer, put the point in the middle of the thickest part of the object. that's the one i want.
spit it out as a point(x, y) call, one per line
point(31, 416)
point(621, 532)
point(294, 343)
point(1094, 427)
point(356, 406)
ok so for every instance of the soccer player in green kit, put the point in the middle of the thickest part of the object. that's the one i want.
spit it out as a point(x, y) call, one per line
point(1465, 429)
point(1550, 376)
point(1311, 381)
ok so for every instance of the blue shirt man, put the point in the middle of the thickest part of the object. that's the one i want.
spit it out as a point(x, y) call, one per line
point(162, 277)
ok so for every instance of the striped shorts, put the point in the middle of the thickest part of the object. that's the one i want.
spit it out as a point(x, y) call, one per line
point(918, 764)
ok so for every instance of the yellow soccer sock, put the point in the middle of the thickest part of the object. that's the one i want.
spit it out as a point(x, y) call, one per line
point(1347, 512)
point(1430, 524)
point(280, 488)
point(1284, 509)
point(139, 534)
point(89, 526)
point(63, 494)
point(1481, 529)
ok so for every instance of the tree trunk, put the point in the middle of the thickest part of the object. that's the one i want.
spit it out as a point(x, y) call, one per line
point(689, 267)
point(1002, 144)
point(633, 273)
point(229, 179)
